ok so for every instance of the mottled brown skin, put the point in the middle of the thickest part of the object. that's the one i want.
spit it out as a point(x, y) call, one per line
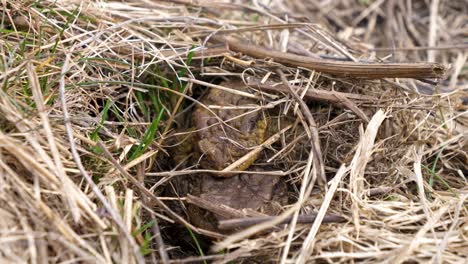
point(262, 193)
point(222, 144)
point(214, 149)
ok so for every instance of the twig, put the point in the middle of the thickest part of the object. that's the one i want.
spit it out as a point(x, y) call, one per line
point(440, 47)
point(312, 94)
point(220, 87)
point(318, 158)
point(337, 98)
point(250, 221)
point(217, 172)
point(352, 106)
point(216, 208)
point(351, 69)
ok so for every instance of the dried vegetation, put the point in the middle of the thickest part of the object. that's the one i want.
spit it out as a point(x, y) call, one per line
point(96, 93)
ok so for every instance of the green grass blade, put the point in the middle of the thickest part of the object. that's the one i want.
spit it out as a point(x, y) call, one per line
point(183, 71)
point(94, 136)
point(143, 228)
point(197, 244)
point(437, 176)
point(148, 137)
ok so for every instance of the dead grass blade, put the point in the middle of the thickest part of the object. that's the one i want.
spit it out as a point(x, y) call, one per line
point(97, 98)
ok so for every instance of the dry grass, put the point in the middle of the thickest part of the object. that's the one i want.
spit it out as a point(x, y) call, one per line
point(95, 94)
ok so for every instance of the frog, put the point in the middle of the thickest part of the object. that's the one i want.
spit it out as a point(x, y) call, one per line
point(248, 194)
point(220, 136)
point(226, 134)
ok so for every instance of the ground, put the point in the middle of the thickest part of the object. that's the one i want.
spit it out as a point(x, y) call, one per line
point(351, 124)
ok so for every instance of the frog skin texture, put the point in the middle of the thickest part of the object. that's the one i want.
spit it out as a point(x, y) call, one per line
point(258, 192)
point(220, 141)
point(222, 144)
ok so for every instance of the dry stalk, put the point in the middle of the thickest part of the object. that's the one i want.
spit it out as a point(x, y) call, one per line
point(407, 186)
point(351, 69)
point(309, 241)
point(115, 216)
point(238, 163)
point(312, 128)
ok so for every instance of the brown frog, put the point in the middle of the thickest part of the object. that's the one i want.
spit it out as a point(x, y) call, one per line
point(227, 133)
point(222, 136)
point(249, 194)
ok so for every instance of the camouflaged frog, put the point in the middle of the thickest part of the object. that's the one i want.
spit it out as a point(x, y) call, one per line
point(228, 131)
point(224, 131)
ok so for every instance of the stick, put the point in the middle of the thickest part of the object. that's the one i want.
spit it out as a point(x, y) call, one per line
point(318, 158)
point(342, 68)
point(337, 98)
point(250, 221)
